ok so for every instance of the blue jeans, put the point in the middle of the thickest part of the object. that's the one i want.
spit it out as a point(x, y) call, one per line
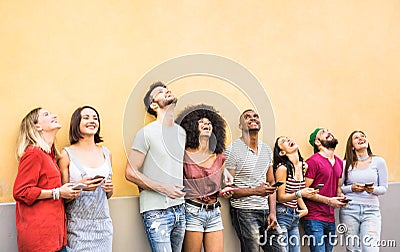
point(320, 234)
point(288, 220)
point(165, 228)
point(63, 249)
point(363, 225)
point(250, 227)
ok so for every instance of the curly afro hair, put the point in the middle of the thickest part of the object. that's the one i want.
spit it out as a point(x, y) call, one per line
point(189, 118)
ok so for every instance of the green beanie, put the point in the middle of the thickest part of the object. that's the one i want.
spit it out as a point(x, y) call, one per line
point(313, 135)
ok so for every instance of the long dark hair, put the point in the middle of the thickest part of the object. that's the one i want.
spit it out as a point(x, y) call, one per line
point(75, 133)
point(189, 118)
point(350, 154)
point(284, 160)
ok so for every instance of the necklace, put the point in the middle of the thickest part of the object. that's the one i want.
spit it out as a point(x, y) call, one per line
point(363, 158)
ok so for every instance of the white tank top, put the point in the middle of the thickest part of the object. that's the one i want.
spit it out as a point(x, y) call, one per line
point(75, 173)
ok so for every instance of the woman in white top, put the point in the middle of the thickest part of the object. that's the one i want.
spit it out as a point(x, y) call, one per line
point(365, 177)
point(88, 217)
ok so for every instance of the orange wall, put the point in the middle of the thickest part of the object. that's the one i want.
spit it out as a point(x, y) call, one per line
point(322, 63)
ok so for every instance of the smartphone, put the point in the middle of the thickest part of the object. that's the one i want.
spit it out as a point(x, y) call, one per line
point(78, 186)
point(98, 176)
point(277, 184)
point(345, 200)
point(319, 186)
point(185, 189)
point(229, 189)
point(369, 184)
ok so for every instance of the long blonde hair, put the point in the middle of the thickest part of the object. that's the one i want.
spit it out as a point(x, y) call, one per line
point(29, 135)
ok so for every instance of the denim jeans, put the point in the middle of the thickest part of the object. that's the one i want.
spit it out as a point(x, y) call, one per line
point(363, 224)
point(165, 228)
point(288, 220)
point(250, 227)
point(63, 249)
point(320, 234)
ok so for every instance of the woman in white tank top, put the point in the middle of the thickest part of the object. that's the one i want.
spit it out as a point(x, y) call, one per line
point(88, 217)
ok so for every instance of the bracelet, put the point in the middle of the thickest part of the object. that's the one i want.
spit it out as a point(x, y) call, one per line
point(56, 193)
point(329, 202)
point(298, 195)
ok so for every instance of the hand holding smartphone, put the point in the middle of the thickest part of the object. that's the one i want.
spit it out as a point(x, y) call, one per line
point(95, 181)
point(79, 186)
point(345, 200)
point(227, 190)
point(98, 176)
point(319, 186)
point(185, 189)
point(278, 184)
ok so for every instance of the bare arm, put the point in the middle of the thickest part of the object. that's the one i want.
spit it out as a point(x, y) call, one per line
point(263, 189)
point(272, 221)
point(339, 192)
point(132, 174)
point(281, 175)
point(108, 186)
point(302, 210)
point(63, 163)
point(272, 195)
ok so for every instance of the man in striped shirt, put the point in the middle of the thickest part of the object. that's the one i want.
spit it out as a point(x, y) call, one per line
point(253, 205)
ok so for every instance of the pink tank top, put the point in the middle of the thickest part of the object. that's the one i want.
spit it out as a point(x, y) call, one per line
point(204, 183)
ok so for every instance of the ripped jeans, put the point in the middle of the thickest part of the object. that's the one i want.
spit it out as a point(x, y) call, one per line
point(363, 225)
point(165, 228)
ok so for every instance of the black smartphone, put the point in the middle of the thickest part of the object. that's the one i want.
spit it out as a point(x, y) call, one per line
point(319, 186)
point(185, 189)
point(277, 184)
point(98, 176)
point(369, 184)
point(345, 200)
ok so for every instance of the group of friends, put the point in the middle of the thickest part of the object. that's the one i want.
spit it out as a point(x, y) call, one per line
point(181, 166)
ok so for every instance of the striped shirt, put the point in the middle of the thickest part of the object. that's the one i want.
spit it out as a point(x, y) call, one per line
point(250, 171)
point(292, 186)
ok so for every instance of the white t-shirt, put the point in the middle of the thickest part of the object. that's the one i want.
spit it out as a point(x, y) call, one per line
point(164, 148)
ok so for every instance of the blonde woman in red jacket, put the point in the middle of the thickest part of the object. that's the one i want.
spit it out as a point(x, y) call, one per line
point(38, 191)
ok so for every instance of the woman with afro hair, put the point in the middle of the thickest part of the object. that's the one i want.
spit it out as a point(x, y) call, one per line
point(203, 175)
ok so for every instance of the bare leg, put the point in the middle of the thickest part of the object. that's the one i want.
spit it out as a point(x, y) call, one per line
point(214, 241)
point(193, 241)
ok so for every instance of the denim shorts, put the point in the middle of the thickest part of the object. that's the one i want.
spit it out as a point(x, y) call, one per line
point(199, 219)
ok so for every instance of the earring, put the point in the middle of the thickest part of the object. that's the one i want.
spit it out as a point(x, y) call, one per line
point(282, 153)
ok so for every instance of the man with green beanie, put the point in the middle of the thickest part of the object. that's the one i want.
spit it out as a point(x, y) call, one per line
point(313, 135)
point(324, 167)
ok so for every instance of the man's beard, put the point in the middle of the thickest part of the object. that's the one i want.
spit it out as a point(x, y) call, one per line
point(252, 129)
point(329, 144)
point(167, 103)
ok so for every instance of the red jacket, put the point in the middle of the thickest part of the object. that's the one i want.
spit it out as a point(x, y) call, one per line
point(41, 223)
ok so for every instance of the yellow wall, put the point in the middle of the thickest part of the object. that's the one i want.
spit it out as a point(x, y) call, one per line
point(323, 63)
